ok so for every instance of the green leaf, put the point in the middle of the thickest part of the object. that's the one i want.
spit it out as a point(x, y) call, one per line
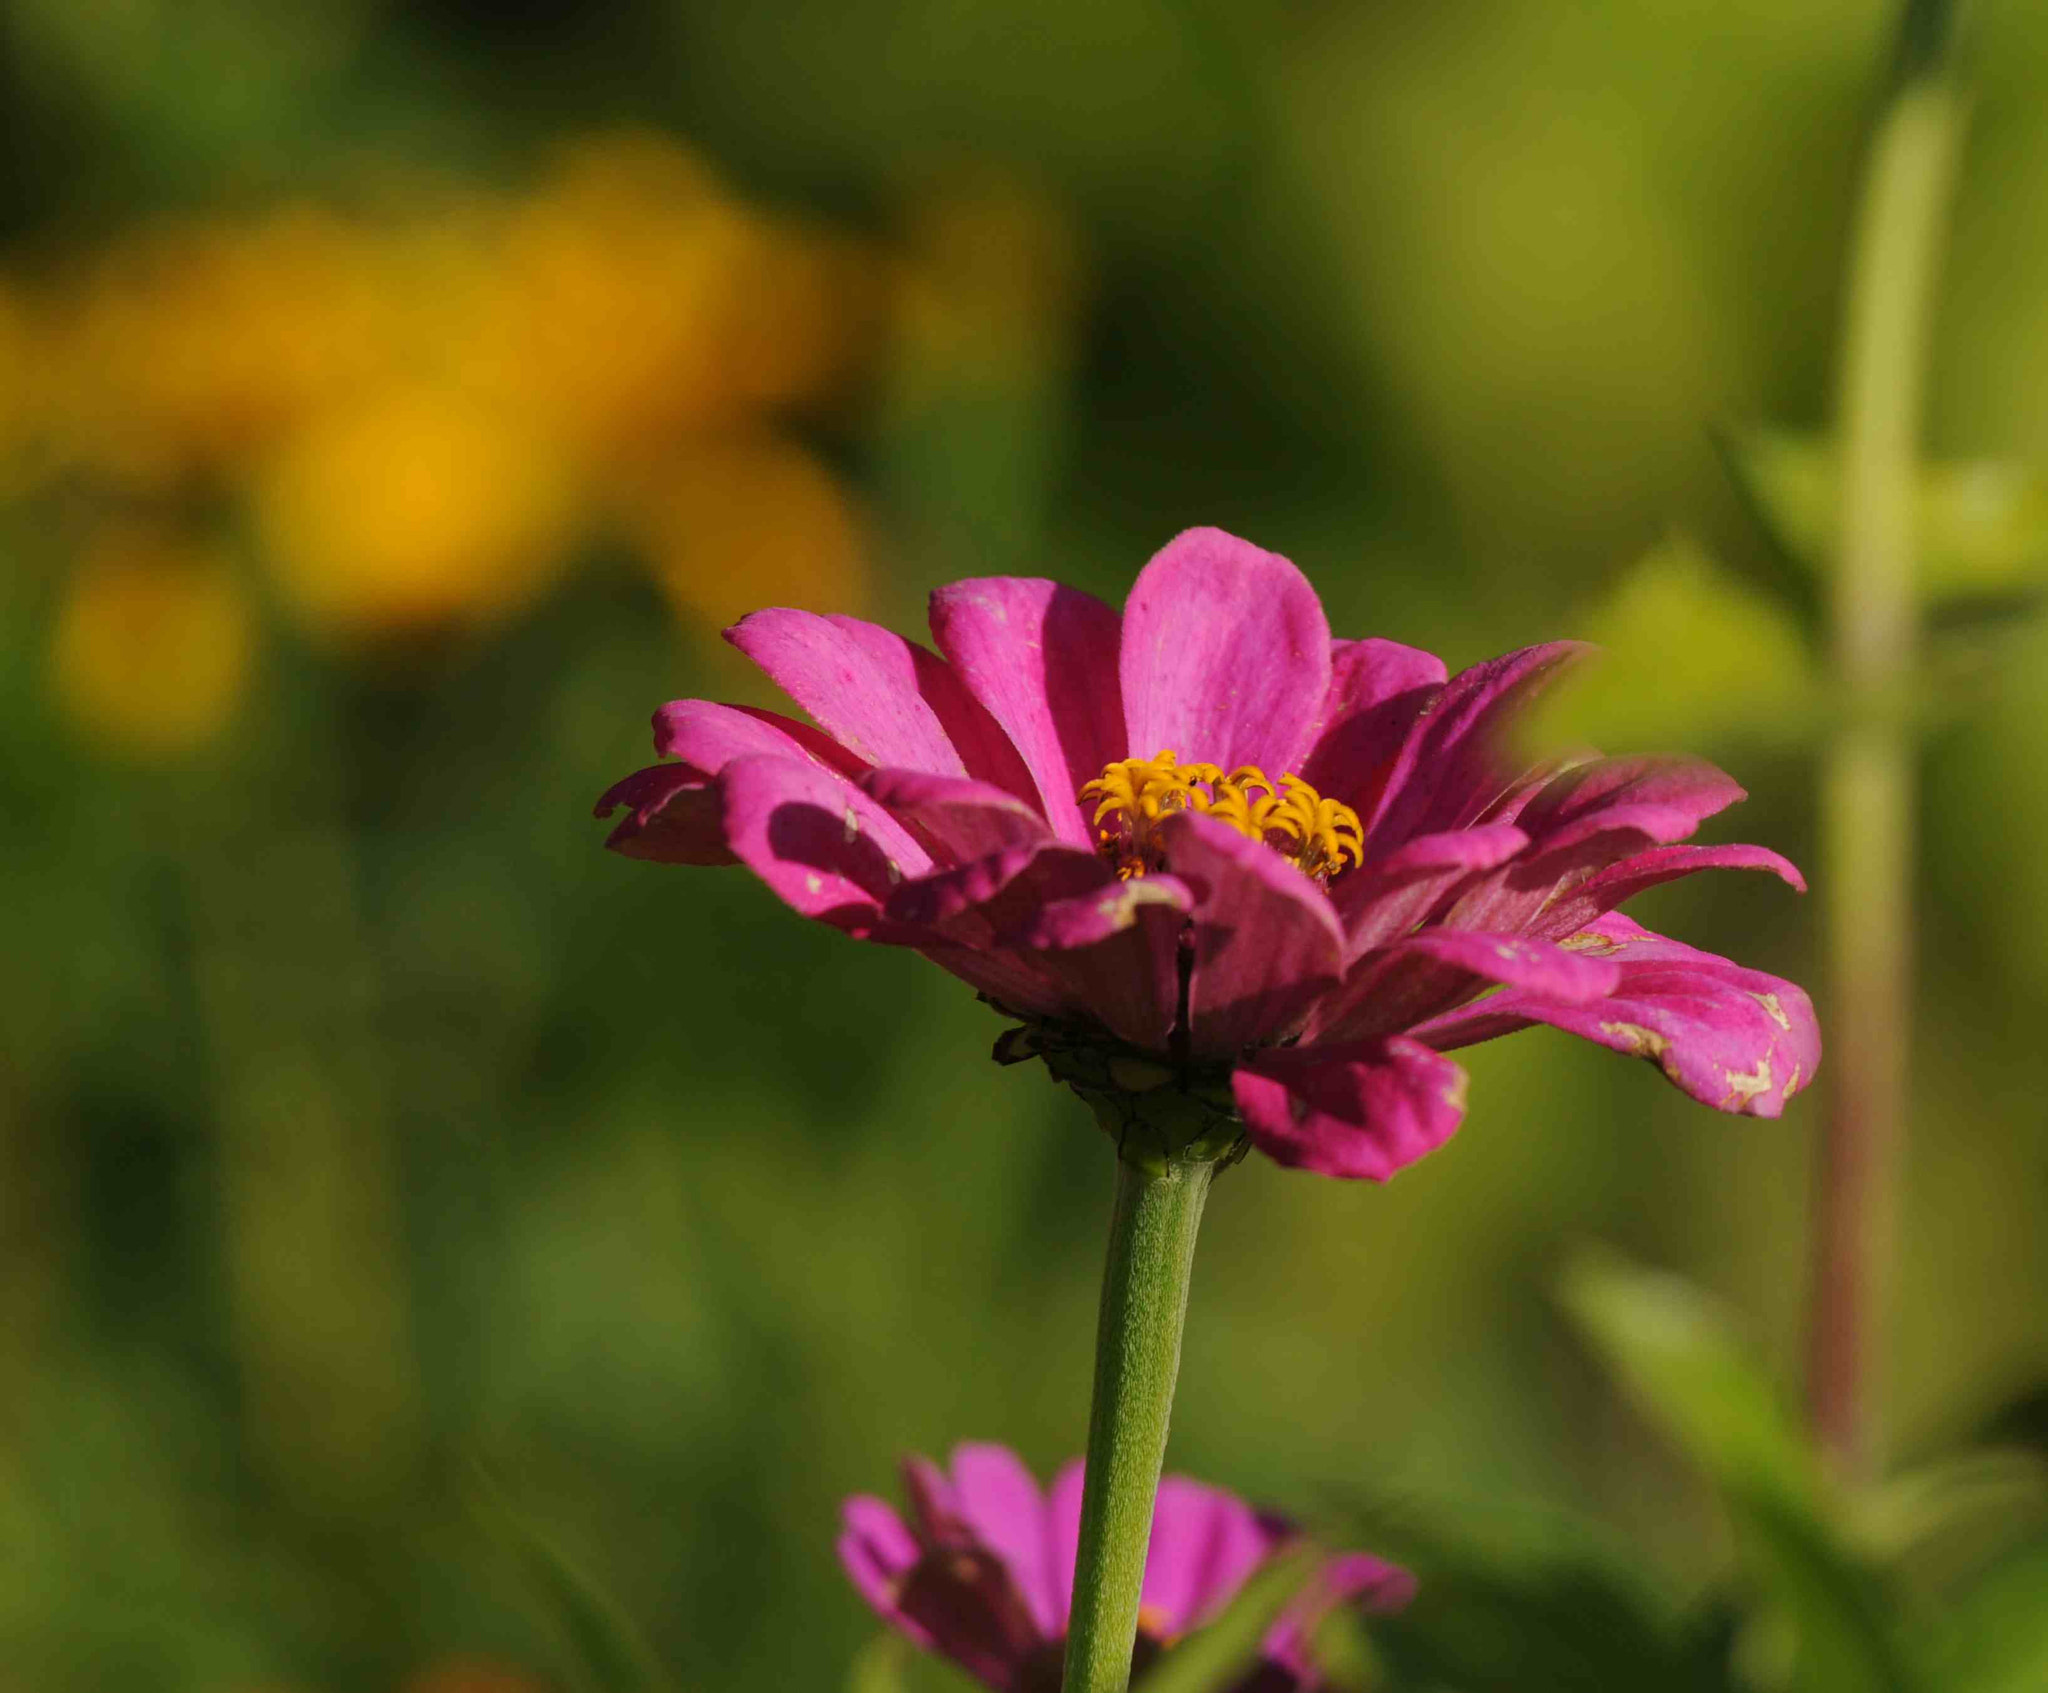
point(1680, 1361)
point(1674, 1351)
point(1217, 1656)
point(1981, 524)
point(1521, 1600)
point(1994, 1638)
point(610, 1654)
point(1691, 652)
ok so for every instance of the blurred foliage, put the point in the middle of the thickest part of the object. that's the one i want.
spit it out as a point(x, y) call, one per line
point(394, 400)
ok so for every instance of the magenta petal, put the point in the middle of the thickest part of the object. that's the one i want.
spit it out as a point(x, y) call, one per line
point(969, 819)
point(673, 817)
point(1205, 1545)
point(1452, 767)
point(878, 1551)
point(1226, 655)
point(1402, 983)
point(1265, 939)
point(1378, 901)
point(1733, 1038)
point(889, 700)
point(1559, 814)
point(709, 736)
point(1378, 691)
point(1043, 659)
point(1623, 881)
point(828, 850)
point(1000, 1501)
point(1351, 1578)
point(1363, 1111)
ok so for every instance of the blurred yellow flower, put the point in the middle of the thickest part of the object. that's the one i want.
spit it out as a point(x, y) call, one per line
point(153, 642)
point(748, 521)
point(639, 301)
point(415, 511)
point(190, 346)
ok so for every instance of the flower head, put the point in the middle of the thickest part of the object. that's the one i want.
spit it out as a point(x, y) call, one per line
point(1070, 809)
point(983, 1570)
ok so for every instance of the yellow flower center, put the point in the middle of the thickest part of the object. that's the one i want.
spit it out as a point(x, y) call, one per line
point(1314, 834)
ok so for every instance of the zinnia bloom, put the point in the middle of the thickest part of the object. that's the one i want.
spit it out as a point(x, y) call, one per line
point(1070, 810)
point(983, 1573)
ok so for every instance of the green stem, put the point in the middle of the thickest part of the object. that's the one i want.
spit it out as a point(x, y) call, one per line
point(1867, 784)
point(1137, 1356)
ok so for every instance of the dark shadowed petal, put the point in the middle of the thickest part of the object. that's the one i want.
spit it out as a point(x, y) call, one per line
point(1586, 819)
point(1452, 766)
point(878, 1551)
point(673, 817)
point(1378, 691)
point(1619, 883)
point(709, 736)
point(1366, 1110)
point(889, 700)
point(966, 1602)
point(1732, 1038)
point(1414, 978)
point(1043, 659)
point(827, 849)
point(1379, 901)
point(1265, 939)
point(1205, 1545)
point(1092, 944)
point(964, 818)
point(1001, 1502)
point(1351, 1578)
point(1226, 655)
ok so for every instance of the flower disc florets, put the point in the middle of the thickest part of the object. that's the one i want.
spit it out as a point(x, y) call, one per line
point(1316, 835)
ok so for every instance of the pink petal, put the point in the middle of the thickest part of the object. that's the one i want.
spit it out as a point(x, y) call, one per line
point(1205, 1545)
point(877, 1551)
point(709, 736)
point(1584, 820)
point(966, 819)
point(889, 700)
point(1000, 1501)
point(1043, 659)
point(1366, 1110)
point(1414, 978)
point(1101, 948)
point(1351, 1578)
point(1226, 655)
point(674, 817)
point(1621, 882)
point(821, 844)
point(1265, 939)
point(1378, 901)
point(1452, 766)
point(1735, 1039)
point(1378, 691)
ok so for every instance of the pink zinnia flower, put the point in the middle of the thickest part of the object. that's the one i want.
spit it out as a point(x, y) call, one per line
point(983, 1573)
point(1069, 809)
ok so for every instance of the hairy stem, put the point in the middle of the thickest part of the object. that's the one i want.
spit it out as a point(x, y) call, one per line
point(1137, 1356)
point(1867, 786)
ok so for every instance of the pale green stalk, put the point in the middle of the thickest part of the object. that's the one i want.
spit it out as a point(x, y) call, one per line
point(1137, 1358)
point(1867, 786)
